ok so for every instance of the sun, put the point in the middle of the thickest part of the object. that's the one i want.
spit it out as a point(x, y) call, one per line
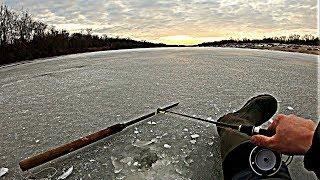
point(186, 40)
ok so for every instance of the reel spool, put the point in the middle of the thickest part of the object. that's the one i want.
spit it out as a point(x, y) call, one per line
point(264, 162)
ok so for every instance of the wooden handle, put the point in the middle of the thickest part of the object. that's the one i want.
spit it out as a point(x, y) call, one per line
point(54, 153)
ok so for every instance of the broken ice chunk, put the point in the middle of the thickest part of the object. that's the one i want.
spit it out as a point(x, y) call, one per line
point(209, 118)
point(136, 163)
point(139, 143)
point(166, 146)
point(66, 174)
point(185, 130)
point(3, 171)
point(190, 161)
point(127, 160)
point(166, 162)
point(193, 141)
point(290, 108)
point(117, 165)
point(152, 122)
point(121, 177)
point(194, 136)
point(181, 170)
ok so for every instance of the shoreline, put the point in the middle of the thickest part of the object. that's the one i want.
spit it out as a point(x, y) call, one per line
point(305, 49)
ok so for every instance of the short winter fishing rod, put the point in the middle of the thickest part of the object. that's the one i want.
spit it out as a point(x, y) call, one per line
point(249, 130)
point(67, 148)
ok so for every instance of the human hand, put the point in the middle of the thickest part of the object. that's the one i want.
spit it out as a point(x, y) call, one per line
point(293, 135)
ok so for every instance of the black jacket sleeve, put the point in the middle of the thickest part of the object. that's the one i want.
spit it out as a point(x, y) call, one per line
point(312, 157)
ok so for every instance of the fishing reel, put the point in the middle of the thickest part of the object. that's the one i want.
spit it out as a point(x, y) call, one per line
point(265, 162)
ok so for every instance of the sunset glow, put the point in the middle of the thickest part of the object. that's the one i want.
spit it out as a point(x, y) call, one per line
point(177, 22)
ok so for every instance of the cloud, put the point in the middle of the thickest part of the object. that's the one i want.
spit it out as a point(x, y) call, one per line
point(196, 20)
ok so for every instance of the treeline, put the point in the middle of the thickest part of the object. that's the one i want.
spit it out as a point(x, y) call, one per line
point(23, 38)
point(292, 39)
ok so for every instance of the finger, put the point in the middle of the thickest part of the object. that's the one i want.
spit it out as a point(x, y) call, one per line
point(280, 117)
point(273, 125)
point(260, 140)
point(275, 122)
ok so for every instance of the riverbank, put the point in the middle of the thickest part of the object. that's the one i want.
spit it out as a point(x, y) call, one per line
point(307, 49)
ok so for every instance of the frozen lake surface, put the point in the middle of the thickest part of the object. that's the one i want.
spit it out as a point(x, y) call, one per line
point(49, 102)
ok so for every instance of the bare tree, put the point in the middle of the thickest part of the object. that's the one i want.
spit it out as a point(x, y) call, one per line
point(5, 16)
point(89, 31)
point(39, 29)
point(25, 27)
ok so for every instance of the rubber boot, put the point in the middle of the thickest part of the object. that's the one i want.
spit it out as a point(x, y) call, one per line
point(255, 112)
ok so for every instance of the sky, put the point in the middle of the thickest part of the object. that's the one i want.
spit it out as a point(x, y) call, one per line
point(177, 21)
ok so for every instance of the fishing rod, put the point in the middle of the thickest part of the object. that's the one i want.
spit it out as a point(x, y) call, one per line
point(246, 129)
point(67, 148)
